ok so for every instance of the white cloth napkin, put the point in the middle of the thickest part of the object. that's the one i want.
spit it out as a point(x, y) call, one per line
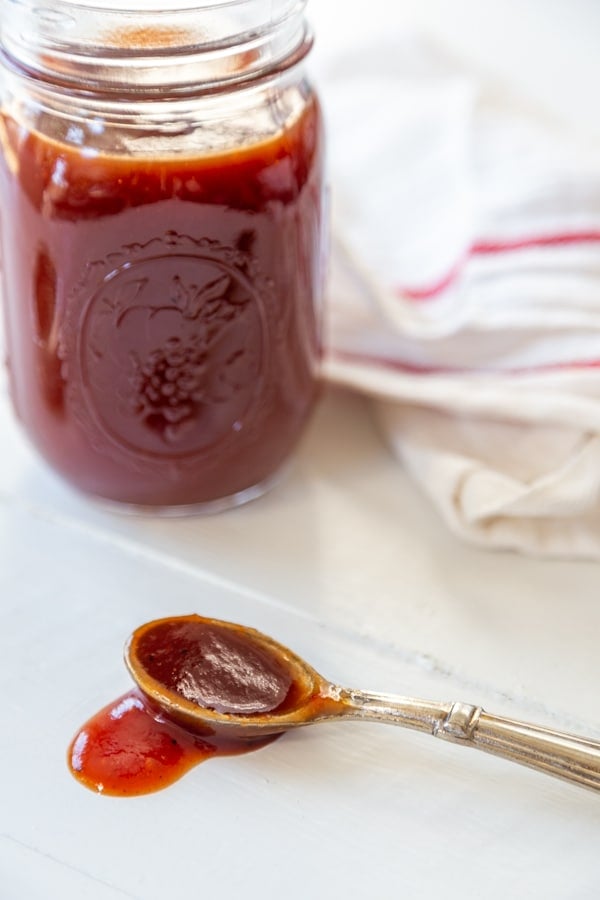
point(465, 293)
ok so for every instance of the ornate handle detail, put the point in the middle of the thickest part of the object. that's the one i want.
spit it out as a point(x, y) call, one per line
point(567, 756)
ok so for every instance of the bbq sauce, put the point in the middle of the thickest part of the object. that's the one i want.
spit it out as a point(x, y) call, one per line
point(161, 311)
point(131, 746)
point(128, 749)
point(215, 667)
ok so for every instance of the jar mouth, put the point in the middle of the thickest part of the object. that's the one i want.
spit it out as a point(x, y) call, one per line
point(139, 48)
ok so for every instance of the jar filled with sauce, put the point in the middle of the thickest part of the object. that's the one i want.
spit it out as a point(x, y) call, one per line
point(161, 203)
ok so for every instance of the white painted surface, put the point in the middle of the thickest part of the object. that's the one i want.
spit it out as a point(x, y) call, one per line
point(347, 564)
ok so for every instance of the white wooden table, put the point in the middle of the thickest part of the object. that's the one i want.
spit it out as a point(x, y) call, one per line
point(347, 564)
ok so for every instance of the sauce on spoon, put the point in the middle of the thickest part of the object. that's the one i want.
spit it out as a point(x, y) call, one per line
point(211, 688)
point(138, 744)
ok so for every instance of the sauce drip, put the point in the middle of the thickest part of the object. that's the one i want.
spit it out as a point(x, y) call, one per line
point(128, 749)
point(131, 747)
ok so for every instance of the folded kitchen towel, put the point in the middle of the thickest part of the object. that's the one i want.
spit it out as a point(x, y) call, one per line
point(465, 293)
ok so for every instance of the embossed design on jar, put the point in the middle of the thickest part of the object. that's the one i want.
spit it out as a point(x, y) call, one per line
point(172, 348)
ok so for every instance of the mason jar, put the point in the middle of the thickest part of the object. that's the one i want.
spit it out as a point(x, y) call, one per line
point(161, 188)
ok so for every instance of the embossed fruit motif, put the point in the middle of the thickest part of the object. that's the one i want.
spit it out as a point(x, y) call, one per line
point(187, 344)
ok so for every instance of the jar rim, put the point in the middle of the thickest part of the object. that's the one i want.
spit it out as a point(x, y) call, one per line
point(137, 6)
point(142, 48)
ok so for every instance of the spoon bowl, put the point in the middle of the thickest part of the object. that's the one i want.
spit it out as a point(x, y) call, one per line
point(309, 696)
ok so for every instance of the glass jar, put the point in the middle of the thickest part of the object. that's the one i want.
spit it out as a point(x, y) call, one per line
point(161, 187)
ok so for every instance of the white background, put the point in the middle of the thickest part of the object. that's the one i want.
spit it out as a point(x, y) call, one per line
point(347, 564)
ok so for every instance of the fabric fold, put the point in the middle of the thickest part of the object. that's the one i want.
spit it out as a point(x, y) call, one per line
point(465, 293)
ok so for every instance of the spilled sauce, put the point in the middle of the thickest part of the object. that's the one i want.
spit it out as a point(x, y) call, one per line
point(131, 747)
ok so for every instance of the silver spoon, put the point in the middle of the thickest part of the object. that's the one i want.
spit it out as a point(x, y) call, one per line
point(313, 699)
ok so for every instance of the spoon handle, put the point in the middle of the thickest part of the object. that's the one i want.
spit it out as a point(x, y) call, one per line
point(567, 756)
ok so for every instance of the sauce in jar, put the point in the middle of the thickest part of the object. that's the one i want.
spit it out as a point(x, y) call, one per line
point(161, 311)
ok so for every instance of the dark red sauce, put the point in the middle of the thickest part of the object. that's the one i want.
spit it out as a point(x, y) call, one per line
point(161, 312)
point(128, 748)
point(132, 747)
point(215, 667)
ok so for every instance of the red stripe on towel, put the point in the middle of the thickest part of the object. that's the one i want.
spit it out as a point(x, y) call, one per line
point(396, 365)
point(489, 247)
point(542, 240)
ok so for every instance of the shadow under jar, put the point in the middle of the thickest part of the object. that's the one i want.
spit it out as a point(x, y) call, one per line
point(161, 191)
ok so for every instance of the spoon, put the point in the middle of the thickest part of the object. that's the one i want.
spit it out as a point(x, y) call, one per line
point(218, 678)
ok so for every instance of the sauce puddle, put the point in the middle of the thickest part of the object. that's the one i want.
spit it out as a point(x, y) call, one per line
point(128, 749)
point(133, 746)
